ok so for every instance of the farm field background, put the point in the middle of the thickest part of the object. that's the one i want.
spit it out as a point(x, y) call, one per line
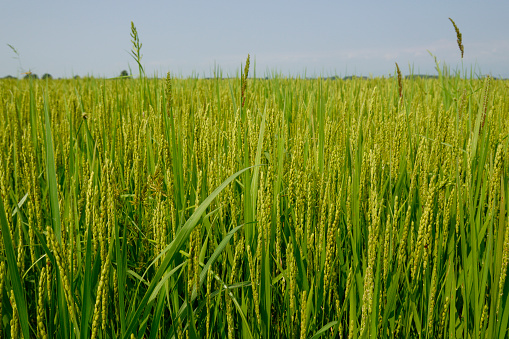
point(148, 208)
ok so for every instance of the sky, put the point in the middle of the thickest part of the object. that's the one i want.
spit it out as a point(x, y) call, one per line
point(290, 38)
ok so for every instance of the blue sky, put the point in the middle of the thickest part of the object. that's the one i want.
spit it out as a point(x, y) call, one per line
point(66, 38)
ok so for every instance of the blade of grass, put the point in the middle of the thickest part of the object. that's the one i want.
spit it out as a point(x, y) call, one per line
point(51, 175)
point(174, 247)
point(324, 329)
point(256, 172)
point(17, 285)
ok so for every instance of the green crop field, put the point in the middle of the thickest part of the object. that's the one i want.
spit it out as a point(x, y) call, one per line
point(242, 207)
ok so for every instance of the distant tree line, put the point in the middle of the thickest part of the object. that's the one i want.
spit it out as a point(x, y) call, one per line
point(30, 75)
point(125, 74)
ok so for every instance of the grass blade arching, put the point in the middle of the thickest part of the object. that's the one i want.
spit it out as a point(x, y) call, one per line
point(175, 246)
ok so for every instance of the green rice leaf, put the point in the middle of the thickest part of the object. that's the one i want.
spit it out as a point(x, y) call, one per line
point(174, 247)
point(51, 175)
point(17, 284)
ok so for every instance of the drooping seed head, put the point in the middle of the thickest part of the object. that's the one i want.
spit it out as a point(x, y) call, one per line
point(458, 36)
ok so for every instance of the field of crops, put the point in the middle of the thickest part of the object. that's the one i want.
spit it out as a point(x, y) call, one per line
point(146, 208)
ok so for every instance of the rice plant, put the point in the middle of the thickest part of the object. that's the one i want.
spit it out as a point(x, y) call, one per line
point(288, 207)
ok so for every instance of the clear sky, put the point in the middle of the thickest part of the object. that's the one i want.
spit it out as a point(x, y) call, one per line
point(67, 38)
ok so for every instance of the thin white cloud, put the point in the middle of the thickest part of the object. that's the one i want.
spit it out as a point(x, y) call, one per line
point(442, 49)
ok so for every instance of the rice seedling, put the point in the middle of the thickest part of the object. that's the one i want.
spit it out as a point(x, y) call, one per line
point(151, 208)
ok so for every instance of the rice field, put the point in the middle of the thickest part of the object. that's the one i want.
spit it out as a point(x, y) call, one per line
point(253, 208)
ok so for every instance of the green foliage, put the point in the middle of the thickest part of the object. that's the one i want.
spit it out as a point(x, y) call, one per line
point(30, 75)
point(321, 208)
